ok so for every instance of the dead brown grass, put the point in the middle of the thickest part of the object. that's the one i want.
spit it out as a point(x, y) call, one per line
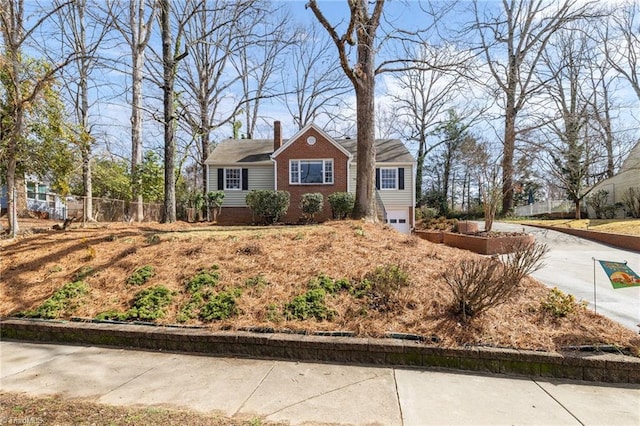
point(37, 264)
point(614, 226)
point(22, 409)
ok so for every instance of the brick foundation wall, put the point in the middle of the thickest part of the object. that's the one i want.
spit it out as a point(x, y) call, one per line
point(235, 216)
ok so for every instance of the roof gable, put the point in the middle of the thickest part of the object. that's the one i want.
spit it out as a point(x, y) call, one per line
point(305, 130)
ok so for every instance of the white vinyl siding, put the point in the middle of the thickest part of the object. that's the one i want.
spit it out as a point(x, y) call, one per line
point(390, 198)
point(260, 177)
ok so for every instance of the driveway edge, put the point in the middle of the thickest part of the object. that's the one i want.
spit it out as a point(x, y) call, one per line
point(594, 366)
point(622, 241)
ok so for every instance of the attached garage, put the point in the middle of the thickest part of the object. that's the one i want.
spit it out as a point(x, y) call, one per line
point(399, 220)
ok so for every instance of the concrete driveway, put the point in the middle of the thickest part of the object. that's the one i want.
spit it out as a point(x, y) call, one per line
point(570, 267)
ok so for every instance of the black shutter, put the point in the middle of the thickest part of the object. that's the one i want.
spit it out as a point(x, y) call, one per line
point(245, 179)
point(400, 177)
point(220, 179)
point(377, 178)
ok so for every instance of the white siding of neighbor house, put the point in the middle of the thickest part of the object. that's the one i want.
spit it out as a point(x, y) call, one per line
point(390, 198)
point(619, 184)
point(260, 177)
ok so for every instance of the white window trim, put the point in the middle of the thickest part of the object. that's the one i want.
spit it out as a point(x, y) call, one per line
point(239, 179)
point(324, 161)
point(395, 184)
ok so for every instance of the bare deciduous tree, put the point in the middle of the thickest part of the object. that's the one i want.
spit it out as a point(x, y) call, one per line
point(621, 42)
point(73, 22)
point(212, 38)
point(423, 98)
point(318, 89)
point(512, 42)
point(266, 34)
point(565, 66)
point(360, 33)
point(134, 24)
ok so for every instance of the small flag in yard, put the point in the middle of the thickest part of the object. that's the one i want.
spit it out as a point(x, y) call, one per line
point(620, 274)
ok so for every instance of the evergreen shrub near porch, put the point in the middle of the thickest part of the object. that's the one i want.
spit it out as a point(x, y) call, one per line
point(269, 206)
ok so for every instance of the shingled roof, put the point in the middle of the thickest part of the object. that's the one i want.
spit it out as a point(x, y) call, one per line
point(258, 151)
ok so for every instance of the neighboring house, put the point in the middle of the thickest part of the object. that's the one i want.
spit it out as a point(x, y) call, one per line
point(627, 177)
point(40, 199)
point(310, 161)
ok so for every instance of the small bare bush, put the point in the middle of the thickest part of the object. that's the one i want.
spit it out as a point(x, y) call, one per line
point(631, 200)
point(478, 284)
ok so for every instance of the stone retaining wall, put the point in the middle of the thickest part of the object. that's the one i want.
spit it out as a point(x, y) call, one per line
point(346, 350)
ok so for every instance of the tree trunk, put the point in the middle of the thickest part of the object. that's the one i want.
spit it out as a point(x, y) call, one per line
point(204, 141)
point(507, 155)
point(168, 64)
point(365, 204)
point(136, 128)
point(422, 143)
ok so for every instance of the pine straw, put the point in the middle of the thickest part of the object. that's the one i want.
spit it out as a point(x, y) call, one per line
point(36, 265)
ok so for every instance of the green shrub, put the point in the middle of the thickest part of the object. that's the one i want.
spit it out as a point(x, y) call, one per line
point(309, 305)
point(310, 204)
point(214, 201)
point(328, 284)
point(268, 205)
point(203, 279)
point(112, 315)
point(560, 304)
point(141, 275)
point(221, 306)
point(342, 204)
point(61, 303)
point(149, 303)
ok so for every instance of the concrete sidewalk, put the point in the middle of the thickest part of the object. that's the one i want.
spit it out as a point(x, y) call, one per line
point(300, 393)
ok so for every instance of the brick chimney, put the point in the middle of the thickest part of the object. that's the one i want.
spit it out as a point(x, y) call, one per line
point(277, 135)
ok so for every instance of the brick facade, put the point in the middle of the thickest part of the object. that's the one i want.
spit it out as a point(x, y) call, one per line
point(299, 149)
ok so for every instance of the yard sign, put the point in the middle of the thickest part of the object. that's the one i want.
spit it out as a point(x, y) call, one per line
point(620, 275)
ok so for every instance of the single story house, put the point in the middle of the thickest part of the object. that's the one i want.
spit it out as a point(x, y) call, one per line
point(310, 161)
point(627, 177)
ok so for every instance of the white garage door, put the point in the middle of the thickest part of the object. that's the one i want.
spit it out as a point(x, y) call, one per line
point(399, 219)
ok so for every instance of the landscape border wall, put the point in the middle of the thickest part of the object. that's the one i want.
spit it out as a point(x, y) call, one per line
point(587, 366)
point(626, 242)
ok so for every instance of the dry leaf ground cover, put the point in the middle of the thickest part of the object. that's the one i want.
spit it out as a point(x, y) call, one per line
point(266, 268)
